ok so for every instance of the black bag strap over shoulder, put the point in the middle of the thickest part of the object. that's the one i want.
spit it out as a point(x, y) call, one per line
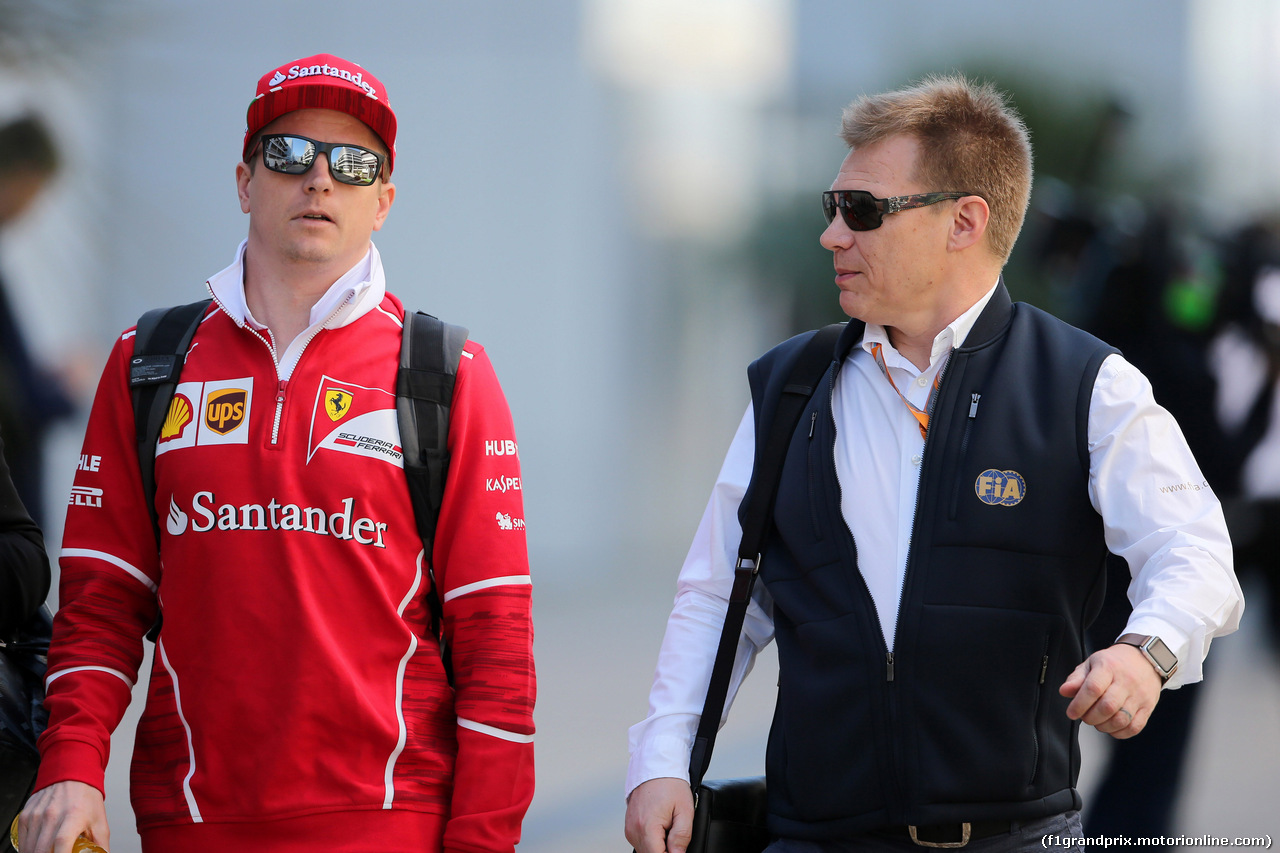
point(773, 438)
point(159, 350)
point(430, 351)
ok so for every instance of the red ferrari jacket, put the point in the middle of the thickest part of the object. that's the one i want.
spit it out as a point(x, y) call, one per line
point(297, 690)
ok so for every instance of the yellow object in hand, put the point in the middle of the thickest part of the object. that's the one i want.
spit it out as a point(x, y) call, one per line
point(82, 845)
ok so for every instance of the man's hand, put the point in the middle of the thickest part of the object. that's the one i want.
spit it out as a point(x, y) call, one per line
point(56, 816)
point(1114, 690)
point(660, 816)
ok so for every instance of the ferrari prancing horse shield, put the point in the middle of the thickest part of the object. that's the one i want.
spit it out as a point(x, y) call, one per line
point(337, 403)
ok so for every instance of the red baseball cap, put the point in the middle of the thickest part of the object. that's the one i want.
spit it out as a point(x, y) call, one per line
point(323, 82)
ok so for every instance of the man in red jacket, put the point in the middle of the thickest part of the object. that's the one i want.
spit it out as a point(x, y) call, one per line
point(298, 697)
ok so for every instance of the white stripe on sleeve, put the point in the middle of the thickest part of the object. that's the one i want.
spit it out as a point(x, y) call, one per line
point(509, 580)
point(129, 569)
point(117, 673)
point(501, 734)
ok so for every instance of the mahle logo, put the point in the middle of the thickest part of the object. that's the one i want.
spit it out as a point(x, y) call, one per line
point(224, 410)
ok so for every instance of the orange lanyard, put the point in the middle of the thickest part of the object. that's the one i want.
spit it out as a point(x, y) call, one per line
point(921, 416)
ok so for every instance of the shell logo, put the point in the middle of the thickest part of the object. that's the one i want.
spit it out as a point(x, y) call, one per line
point(176, 420)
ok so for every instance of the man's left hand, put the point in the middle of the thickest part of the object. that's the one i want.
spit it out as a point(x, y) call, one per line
point(1114, 690)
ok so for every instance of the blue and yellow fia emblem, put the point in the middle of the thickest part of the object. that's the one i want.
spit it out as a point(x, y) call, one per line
point(1000, 488)
point(337, 403)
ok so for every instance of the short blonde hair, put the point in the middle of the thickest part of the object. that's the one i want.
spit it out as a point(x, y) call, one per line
point(971, 141)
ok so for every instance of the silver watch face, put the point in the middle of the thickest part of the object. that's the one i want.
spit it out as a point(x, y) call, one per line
point(1160, 653)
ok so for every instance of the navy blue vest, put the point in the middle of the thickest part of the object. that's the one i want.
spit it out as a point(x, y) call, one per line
point(963, 721)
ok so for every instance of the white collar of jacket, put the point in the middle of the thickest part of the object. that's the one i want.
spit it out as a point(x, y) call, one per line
point(357, 292)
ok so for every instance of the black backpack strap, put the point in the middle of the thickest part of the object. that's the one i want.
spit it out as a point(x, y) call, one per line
point(773, 439)
point(159, 351)
point(429, 354)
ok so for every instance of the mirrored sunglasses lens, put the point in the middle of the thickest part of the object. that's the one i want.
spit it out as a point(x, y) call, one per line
point(289, 154)
point(353, 165)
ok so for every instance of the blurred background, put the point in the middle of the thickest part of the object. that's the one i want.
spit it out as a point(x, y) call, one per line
point(620, 199)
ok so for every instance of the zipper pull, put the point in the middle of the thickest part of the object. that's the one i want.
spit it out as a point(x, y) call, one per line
point(813, 422)
point(1044, 668)
point(889, 666)
point(973, 405)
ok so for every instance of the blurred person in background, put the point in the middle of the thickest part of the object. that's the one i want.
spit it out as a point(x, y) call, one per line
point(299, 700)
point(941, 528)
point(1245, 360)
point(32, 396)
point(24, 585)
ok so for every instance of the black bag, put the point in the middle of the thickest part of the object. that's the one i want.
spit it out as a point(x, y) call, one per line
point(23, 660)
point(729, 815)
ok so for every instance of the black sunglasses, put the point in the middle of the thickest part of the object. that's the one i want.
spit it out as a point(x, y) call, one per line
point(864, 212)
point(295, 155)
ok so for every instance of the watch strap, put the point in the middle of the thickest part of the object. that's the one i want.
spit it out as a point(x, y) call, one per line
point(1144, 642)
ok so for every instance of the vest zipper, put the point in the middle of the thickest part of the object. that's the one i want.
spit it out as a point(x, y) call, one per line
point(964, 448)
point(924, 457)
point(889, 695)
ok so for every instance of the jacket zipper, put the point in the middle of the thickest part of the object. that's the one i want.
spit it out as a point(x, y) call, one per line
point(964, 448)
point(282, 384)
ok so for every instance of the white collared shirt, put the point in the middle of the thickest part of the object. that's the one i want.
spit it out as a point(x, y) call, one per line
point(356, 292)
point(1157, 511)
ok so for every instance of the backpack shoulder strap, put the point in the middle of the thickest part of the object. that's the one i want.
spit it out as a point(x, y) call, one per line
point(772, 440)
point(159, 350)
point(430, 351)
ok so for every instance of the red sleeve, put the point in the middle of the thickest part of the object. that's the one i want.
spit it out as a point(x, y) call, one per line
point(107, 590)
point(482, 569)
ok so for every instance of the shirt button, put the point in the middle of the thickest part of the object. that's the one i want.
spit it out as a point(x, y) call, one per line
point(922, 382)
point(915, 460)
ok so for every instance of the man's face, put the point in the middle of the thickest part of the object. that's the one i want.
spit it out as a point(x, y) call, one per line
point(311, 219)
point(889, 275)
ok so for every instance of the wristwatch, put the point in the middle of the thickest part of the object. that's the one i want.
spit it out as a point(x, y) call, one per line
point(1165, 661)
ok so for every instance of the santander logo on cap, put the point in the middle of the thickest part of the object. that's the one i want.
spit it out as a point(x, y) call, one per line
point(296, 72)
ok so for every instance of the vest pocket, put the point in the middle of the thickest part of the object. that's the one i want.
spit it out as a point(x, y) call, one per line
point(1035, 710)
point(974, 399)
point(974, 682)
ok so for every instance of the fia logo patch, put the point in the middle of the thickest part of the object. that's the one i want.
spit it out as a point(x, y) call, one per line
point(1000, 488)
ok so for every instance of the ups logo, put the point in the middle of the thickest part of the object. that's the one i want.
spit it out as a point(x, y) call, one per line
point(224, 410)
